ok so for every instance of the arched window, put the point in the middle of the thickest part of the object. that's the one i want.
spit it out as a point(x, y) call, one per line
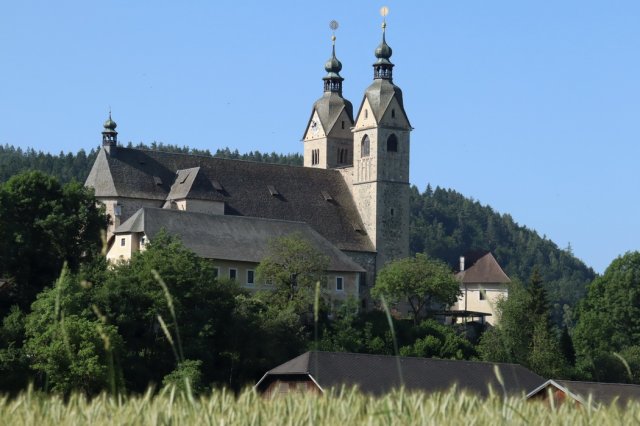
point(392, 143)
point(364, 147)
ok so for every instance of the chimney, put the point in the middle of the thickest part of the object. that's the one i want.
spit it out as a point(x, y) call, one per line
point(461, 263)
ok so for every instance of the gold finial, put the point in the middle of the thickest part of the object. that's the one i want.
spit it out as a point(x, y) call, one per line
point(384, 11)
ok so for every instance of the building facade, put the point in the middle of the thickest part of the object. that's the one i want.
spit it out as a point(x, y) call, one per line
point(353, 191)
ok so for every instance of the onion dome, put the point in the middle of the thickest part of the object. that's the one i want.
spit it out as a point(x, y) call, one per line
point(383, 68)
point(110, 124)
point(383, 51)
point(333, 65)
point(333, 81)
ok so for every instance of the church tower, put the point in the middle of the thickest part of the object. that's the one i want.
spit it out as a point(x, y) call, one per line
point(381, 161)
point(328, 142)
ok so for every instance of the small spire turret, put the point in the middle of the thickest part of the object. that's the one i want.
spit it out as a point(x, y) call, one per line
point(383, 68)
point(109, 134)
point(333, 80)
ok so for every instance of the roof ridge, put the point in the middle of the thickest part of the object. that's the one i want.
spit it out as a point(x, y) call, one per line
point(595, 383)
point(422, 358)
point(210, 156)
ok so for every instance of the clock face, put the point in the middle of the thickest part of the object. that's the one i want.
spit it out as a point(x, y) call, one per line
point(314, 127)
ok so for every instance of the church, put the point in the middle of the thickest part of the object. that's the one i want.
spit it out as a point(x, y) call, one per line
point(350, 200)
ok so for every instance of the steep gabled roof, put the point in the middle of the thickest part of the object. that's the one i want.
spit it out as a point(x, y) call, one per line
point(329, 107)
point(234, 238)
point(100, 178)
point(485, 270)
point(600, 393)
point(135, 173)
point(379, 94)
point(379, 374)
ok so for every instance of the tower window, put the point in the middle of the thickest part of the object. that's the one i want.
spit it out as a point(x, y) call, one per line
point(342, 155)
point(364, 146)
point(392, 212)
point(315, 157)
point(366, 113)
point(392, 143)
point(343, 124)
point(393, 113)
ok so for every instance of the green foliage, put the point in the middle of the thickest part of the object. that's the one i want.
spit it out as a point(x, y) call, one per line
point(438, 341)
point(446, 225)
point(419, 281)
point(65, 167)
point(160, 316)
point(343, 333)
point(187, 377)
point(14, 364)
point(609, 318)
point(524, 334)
point(292, 268)
point(71, 350)
point(42, 226)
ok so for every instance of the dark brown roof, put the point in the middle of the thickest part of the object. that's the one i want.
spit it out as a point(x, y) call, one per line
point(484, 270)
point(379, 374)
point(235, 238)
point(601, 393)
point(134, 173)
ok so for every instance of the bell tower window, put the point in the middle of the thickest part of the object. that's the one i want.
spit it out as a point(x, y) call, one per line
point(364, 146)
point(392, 143)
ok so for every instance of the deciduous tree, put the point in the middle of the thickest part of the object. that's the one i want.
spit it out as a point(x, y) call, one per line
point(291, 270)
point(420, 281)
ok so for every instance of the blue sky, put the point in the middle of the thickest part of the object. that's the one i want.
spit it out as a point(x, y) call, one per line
point(531, 107)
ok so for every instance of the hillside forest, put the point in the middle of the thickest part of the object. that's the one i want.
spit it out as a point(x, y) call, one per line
point(69, 322)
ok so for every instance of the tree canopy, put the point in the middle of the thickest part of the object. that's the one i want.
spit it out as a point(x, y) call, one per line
point(291, 270)
point(419, 281)
point(43, 225)
point(609, 320)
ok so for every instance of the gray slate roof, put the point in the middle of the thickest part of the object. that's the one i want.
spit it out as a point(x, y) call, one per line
point(601, 393)
point(234, 238)
point(378, 374)
point(380, 93)
point(484, 270)
point(135, 173)
point(329, 108)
